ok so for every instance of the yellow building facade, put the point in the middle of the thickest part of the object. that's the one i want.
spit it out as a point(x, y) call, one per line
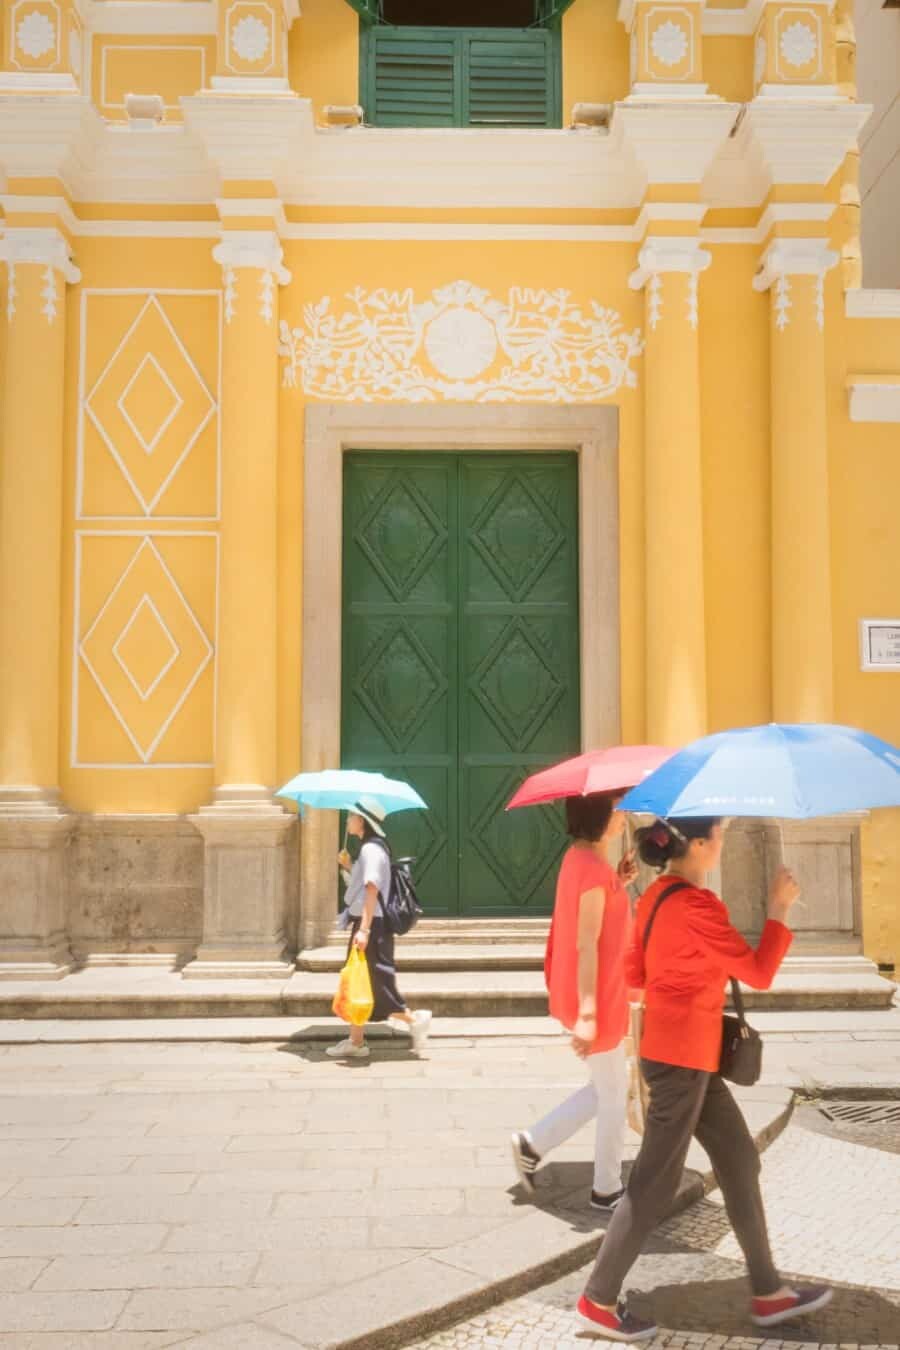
point(436, 400)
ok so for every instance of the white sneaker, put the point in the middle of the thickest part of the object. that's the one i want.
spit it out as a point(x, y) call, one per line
point(420, 1029)
point(347, 1050)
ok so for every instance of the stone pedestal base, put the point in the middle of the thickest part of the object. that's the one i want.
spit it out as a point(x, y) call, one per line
point(822, 853)
point(34, 831)
point(247, 874)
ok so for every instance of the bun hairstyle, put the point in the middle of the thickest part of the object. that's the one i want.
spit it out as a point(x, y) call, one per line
point(667, 840)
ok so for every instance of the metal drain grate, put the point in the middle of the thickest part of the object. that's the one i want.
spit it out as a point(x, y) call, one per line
point(862, 1113)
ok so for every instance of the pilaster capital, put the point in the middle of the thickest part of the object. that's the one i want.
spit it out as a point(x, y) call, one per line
point(253, 248)
point(675, 254)
point(794, 257)
point(46, 247)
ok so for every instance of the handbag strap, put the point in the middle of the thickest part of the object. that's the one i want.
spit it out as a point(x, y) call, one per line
point(737, 997)
point(670, 890)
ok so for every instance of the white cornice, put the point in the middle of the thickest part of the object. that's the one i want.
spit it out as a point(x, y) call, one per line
point(872, 304)
point(672, 142)
point(799, 141)
point(42, 206)
point(874, 398)
point(153, 18)
point(794, 257)
point(273, 137)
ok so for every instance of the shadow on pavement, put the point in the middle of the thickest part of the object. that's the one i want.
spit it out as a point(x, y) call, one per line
point(719, 1308)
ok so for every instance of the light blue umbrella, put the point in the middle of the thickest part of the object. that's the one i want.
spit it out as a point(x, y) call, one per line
point(341, 789)
point(794, 772)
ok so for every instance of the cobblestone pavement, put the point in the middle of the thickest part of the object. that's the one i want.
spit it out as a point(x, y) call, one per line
point(834, 1215)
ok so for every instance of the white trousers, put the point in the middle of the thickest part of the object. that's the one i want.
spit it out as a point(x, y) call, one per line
point(604, 1097)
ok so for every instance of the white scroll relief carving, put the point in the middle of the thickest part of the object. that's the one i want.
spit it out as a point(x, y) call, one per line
point(460, 344)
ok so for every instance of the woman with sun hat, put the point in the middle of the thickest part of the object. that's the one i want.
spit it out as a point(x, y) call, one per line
point(368, 882)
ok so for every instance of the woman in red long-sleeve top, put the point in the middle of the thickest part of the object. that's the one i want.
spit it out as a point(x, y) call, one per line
point(691, 951)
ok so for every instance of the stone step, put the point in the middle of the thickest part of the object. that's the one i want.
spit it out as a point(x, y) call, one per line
point(467, 932)
point(841, 956)
point(92, 993)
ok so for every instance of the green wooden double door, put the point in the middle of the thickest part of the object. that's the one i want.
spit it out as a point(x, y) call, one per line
point(460, 660)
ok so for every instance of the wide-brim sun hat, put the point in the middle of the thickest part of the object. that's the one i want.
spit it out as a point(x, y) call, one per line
point(372, 812)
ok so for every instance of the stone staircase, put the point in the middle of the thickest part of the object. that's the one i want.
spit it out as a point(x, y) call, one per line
point(494, 967)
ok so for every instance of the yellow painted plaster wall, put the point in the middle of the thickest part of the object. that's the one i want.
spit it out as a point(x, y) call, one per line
point(594, 55)
point(323, 54)
point(728, 67)
point(865, 491)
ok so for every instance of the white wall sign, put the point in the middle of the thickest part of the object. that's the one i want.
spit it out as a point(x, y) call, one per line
point(880, 644)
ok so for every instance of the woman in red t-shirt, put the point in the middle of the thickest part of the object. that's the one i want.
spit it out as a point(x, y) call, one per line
point(691, 950)
point(585, 973)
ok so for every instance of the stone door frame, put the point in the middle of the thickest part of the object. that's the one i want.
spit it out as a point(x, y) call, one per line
point(332, 429)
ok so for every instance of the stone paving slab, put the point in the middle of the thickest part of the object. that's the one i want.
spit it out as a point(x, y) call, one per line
point(191, 1190)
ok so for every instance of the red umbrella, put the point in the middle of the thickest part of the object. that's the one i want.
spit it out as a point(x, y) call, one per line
point(621, 766)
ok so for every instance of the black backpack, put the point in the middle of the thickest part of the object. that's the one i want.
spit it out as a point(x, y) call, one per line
point(401, 905)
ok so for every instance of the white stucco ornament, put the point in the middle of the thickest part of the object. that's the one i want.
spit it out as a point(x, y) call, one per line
point(460, 344)
point(250, 38)
point(798, 44)
point(669, 43)
point(36, 35)
point(759, 60)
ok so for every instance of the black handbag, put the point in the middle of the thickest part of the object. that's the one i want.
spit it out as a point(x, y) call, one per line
point(740, 1059)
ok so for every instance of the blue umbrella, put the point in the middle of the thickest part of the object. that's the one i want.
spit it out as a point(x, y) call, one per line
point(793, 772)
point(341, 789)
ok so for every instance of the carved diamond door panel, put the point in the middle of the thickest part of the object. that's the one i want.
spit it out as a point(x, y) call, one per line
point(518, 670)
point(460, 660)
point(399, 648)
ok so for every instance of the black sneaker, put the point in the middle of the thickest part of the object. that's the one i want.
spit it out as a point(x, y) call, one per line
point(606, 1202)
point(525, 1159)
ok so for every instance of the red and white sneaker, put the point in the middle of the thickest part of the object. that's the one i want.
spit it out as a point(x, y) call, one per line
point(620, 1325)
point(769, 1312)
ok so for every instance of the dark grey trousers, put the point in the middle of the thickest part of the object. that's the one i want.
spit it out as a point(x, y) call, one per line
point(686, 1102)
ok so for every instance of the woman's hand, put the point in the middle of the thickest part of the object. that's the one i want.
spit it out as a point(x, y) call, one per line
point(344, 860)
point(628, 868)
point(584, 1033)
point(783, 893)
point(361, 939)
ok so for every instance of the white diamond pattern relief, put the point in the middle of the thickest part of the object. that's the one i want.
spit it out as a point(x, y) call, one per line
point(147, 390)
point(137, 649)
point(150, 405)
point(145, 649)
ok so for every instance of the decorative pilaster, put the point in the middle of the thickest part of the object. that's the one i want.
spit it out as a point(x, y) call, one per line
point(33, 826)
point(794, 50)
point(666, 47)
point(244, 831)
point(793, 271)
point(252, 44)
point(668, 271)
point(43, 45)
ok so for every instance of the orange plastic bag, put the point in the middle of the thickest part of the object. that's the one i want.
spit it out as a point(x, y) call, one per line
point(353, 1001)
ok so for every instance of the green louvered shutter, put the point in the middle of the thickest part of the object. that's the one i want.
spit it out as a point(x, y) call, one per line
point(509, 79)
point(414, 78)
point(446, 77)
